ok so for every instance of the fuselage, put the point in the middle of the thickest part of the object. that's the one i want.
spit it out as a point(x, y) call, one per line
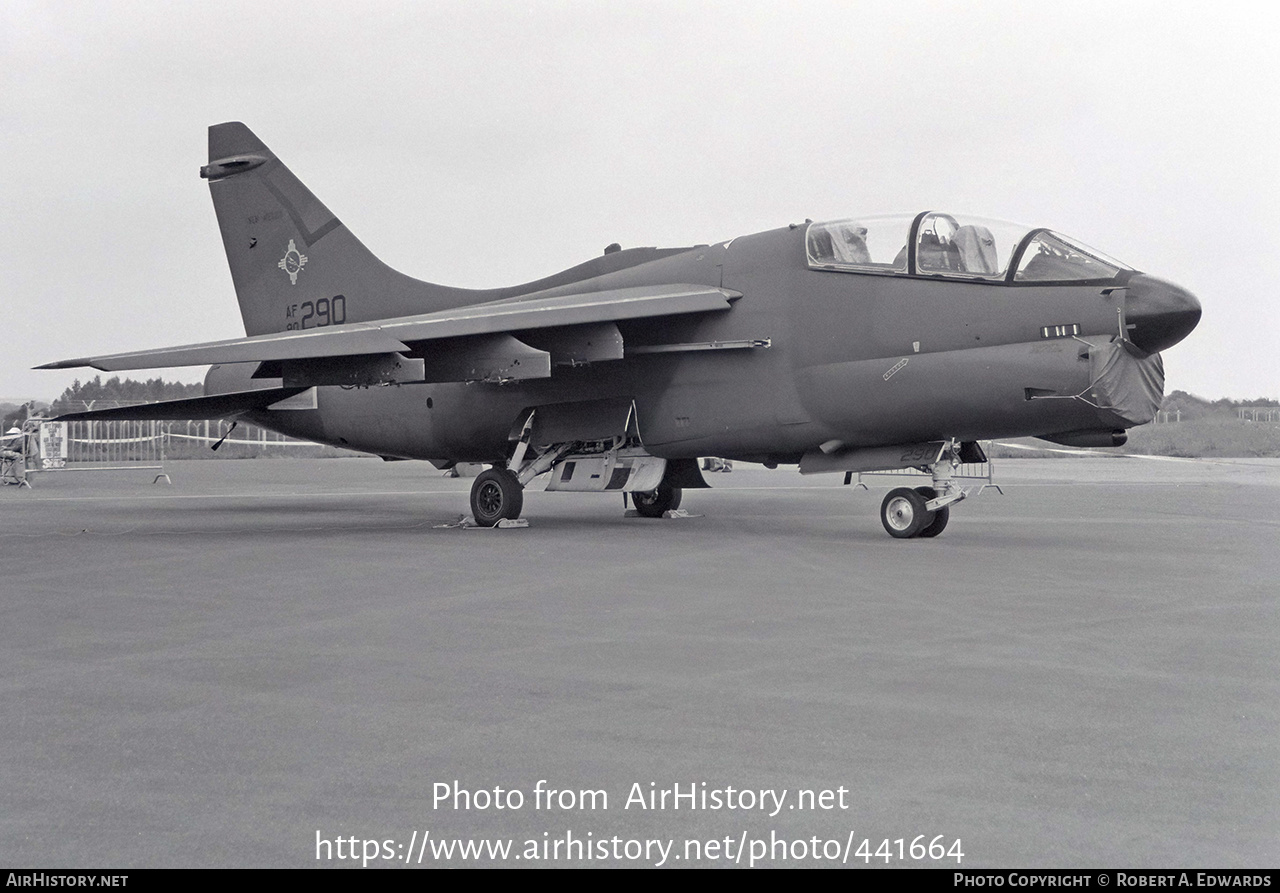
point(841, 355)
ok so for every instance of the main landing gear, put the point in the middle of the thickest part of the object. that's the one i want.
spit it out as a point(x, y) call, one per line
point(618, 463)
point(496, 494)
point(655, 502)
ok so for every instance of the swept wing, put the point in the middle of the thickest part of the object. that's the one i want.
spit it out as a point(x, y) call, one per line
point(401, 334)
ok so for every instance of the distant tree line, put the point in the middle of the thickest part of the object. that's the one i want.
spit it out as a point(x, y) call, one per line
point(12, 415)
point(101, 394)
point(1193, 407)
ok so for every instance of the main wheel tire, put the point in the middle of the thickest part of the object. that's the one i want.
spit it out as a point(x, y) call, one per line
point(652, 504)
point(903, 513)
point(495, 495)
point(940, 517)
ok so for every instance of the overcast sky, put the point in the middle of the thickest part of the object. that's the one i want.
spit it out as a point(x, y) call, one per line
point(1148, 130)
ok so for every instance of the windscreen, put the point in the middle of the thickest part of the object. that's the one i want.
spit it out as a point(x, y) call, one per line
point(1053, 257)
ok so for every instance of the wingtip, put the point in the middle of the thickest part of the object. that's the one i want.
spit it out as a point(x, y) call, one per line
point(69, 364)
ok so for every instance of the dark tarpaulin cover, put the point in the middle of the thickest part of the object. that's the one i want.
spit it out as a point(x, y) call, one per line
point(1126, 382)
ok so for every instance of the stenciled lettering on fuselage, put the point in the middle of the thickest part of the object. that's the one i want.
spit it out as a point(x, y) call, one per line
point(919, 454)
point(896, 366)
point(264, 217)
point(316, 314)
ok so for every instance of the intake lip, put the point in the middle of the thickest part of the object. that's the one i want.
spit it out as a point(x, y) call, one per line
point(1158, 313)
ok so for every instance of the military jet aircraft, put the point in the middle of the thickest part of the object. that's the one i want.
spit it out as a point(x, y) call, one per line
point(860, 344)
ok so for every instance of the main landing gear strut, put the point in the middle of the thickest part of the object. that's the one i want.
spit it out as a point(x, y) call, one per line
point(925, 511)
point(498, 492)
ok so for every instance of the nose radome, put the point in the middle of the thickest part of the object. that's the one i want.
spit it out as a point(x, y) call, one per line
point(1159, 314)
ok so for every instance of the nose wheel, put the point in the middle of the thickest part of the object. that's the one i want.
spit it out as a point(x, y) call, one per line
point(903, 513)
point(940, 516)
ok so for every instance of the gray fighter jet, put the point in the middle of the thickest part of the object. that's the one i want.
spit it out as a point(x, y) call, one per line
point(861, 344)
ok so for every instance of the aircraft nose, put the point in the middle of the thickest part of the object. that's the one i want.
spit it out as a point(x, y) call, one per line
point(1159, 313)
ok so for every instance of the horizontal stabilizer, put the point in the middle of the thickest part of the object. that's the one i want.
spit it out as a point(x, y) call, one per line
point(219, 406)
point(394, 335)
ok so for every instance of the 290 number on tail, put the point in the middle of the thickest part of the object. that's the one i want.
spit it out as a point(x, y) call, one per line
point(314, 314)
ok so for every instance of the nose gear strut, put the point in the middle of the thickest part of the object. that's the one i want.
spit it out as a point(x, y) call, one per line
point(925, 511)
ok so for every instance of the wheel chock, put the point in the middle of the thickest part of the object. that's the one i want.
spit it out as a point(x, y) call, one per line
point(503, 524)
point(669, 513)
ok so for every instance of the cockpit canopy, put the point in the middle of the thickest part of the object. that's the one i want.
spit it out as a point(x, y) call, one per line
point(937, 244)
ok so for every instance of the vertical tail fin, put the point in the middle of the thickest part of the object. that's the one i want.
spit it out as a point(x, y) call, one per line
point(293, 263)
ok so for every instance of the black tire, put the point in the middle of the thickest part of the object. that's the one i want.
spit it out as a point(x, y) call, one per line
point(652, 504)
point(940, 517)
point(903, 513)
point(496, 494)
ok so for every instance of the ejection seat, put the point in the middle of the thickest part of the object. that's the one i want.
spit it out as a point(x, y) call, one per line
point(934, 255)
point(977, 249)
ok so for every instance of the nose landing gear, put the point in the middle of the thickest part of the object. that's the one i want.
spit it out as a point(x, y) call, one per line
point(924, 511)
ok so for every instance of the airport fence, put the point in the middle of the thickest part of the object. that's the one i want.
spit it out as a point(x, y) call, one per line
point(190, 437)
point(144, 446)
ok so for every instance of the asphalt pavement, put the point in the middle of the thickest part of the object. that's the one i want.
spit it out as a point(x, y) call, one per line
point(268, 659)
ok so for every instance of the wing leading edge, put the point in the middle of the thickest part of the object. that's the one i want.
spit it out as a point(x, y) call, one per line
point(398, 335)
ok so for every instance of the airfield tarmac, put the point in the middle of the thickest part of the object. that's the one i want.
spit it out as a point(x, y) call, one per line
point(1083, 672)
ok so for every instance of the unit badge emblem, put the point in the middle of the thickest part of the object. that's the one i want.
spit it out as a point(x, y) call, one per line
point(292, 262)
